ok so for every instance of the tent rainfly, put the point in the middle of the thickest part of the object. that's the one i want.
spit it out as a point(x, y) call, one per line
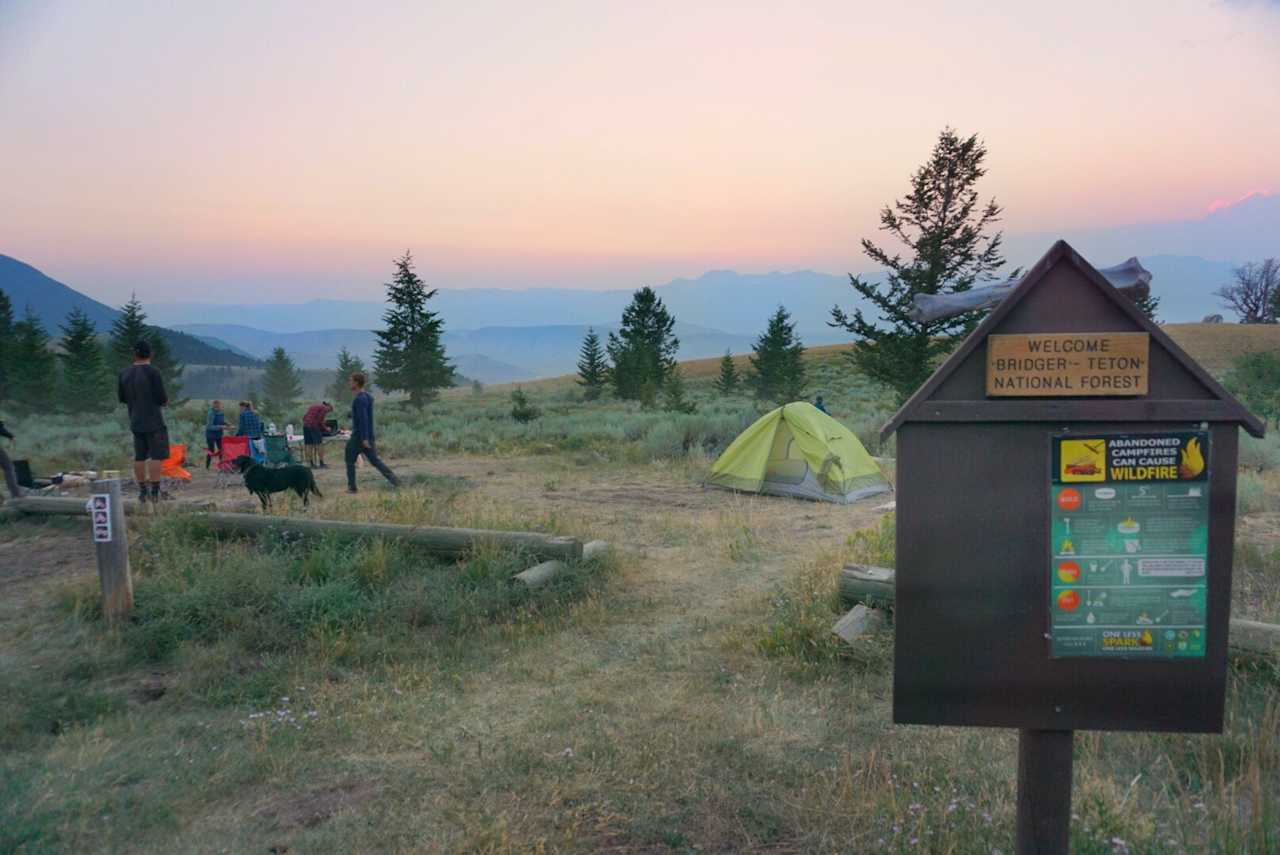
point(799, 451)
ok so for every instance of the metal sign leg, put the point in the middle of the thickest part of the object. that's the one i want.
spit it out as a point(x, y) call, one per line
point(1044, 792)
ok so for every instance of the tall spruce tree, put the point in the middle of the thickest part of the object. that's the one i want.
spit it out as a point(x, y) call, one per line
point(339, 392)
point(86, 384)
point(944, 229)
point(643, 350)
point(593, 371)
point(6, 344)
point(777, 361)
point(281, 385)
point(410, 356)
point(131, 327)
point(34, 373)
point(729, 380)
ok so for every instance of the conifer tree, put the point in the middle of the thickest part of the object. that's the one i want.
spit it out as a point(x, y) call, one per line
point(777, 361)
point(86, 384)
point(410, 356)
point(944, 230)
point(6, 343)
point(592, 370)
point(131, 327)
point(673, 395)
point(522, 409)
point(643, 350)
point(281, 384)
point(1149, 305)
point(729, 380)
point(33, 366)
point(339, 392)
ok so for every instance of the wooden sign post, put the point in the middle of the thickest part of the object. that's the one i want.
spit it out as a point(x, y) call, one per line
point(1065, 513)
point(111, 538)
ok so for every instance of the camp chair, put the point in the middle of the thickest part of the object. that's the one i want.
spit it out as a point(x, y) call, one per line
point(232, 447)
point(278, 453)
point(172, 473)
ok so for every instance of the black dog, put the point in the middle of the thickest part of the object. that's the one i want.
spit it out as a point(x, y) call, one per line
point(263, 481)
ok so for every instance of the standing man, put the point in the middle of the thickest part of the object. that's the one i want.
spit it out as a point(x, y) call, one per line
point(10, 477)
point(361, 441)
point(215, 422)
point(313, 433)
point(820, 406)
point(141, 389)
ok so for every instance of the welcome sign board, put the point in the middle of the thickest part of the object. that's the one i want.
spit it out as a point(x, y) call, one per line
point(1068, 364)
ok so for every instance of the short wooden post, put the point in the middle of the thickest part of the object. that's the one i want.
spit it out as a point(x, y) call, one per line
point(112, 544)
point(1044, 792)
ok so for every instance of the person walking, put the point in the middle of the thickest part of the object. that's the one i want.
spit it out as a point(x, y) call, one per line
point(10, 476)
point(215, 422)
point(313, 433)
point(141, 389)
point(362, 438)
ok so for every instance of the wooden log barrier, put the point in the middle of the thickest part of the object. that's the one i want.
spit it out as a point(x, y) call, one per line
point(873, 586)
point(48, 505)
point(449, 542)
point(863, 583)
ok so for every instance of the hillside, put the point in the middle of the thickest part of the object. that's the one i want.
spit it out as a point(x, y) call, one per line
point(1214, 346)
point(51, 301)
point(48, 298)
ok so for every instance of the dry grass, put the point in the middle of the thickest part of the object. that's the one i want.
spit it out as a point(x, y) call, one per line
point(648, 717)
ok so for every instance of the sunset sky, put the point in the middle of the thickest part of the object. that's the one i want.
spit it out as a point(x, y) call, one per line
point(282, 151)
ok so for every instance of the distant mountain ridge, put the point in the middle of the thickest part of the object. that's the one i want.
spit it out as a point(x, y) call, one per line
point(51, 301)
point(488, 354)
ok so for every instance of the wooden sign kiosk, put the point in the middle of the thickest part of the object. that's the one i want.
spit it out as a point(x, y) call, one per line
point(1066, 487)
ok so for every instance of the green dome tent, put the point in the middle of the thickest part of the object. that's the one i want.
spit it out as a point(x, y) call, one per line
point(797, 450)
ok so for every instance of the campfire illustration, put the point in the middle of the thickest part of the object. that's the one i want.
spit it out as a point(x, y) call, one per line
point(1192, 460)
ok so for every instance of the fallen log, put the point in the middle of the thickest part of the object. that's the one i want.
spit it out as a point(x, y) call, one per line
point(595, 549)
point(540, 574)
point(449, 542)
point(862, 583)
point(50, 505)
point(873, 586)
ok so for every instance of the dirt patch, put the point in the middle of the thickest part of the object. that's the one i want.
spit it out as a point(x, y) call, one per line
point(314, 807)
point(32, 553)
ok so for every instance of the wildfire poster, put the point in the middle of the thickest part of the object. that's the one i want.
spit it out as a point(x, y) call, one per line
point(1129, 543)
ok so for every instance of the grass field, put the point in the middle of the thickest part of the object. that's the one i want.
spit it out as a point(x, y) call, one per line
point(684, 695)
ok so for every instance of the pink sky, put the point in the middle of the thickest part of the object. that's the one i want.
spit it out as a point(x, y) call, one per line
point(292, 152)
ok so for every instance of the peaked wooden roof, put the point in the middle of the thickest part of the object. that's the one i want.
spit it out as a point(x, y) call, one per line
point(1222, 407)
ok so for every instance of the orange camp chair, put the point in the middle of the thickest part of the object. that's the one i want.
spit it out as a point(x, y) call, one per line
point(172, 473)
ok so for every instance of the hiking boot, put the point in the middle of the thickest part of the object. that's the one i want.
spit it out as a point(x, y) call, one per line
point(351, 491)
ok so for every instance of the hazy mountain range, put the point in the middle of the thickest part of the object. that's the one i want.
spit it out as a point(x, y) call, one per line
point(496, 334)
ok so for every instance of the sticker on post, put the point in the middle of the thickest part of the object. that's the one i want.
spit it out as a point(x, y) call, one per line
point(100, 510)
